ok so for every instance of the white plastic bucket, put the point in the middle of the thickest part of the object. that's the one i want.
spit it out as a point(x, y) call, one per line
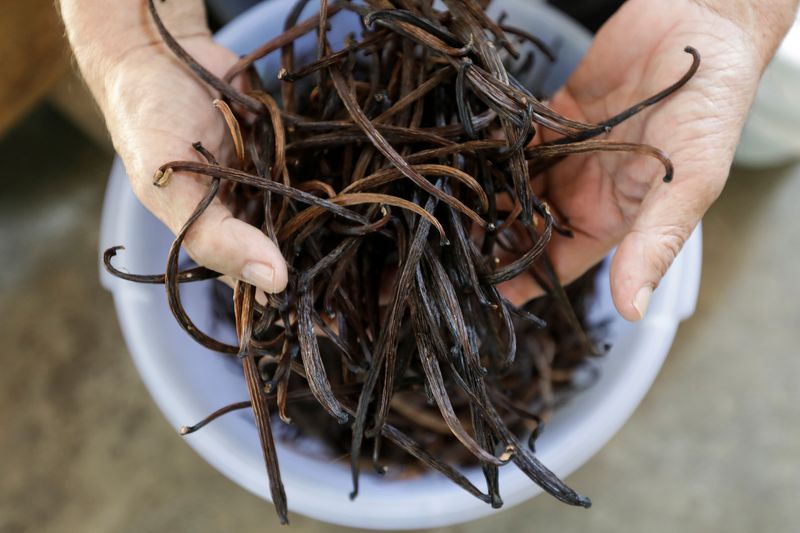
point(188, 381)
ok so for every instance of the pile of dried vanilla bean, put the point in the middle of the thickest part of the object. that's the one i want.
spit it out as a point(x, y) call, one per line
point(395, 173)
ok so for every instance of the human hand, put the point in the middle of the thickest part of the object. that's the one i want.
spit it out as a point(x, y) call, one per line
point(609, 199)
point(155, 108)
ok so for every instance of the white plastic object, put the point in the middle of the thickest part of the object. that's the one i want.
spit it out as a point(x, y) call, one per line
point(771, 135)
point(188, 382)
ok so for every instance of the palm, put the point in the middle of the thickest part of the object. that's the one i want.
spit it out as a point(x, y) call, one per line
point(165, 109)
point(156, 109)
point(606, 197)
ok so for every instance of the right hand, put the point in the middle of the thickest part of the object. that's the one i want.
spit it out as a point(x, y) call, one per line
point(155, 108)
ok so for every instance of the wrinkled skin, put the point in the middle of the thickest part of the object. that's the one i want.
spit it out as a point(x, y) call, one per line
point(617, 199)
point(161, 128)
point(155, 108)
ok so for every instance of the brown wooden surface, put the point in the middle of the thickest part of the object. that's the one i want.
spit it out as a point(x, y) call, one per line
point(33, 55)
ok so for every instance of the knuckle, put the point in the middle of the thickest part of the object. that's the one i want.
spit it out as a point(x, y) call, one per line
point(197, 246)
point(668, 242)
point(660, 245)
point(205, 242)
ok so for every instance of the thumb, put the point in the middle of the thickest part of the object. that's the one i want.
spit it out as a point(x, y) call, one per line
point(642, 259)
point(668, 216)
point(217, 240)
point(221, 242)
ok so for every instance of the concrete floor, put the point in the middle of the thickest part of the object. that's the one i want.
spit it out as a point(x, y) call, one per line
point(714, 447)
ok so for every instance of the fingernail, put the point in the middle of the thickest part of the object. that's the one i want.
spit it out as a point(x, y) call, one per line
point(642, 300)
point(259, 274)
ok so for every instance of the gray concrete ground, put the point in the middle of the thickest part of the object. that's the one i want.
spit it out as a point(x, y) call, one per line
point(714, 447)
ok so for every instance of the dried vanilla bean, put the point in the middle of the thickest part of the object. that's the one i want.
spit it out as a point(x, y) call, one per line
point(394, 178)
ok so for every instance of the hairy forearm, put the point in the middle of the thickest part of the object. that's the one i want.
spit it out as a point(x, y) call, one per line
point(103, 34)
point(766, 21)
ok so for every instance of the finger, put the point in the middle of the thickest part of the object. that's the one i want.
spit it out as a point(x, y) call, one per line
point(571, 258)
point(228, 245)
point(217, 240)
point(584, 201)
point(668, 217)
point(520, 290)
